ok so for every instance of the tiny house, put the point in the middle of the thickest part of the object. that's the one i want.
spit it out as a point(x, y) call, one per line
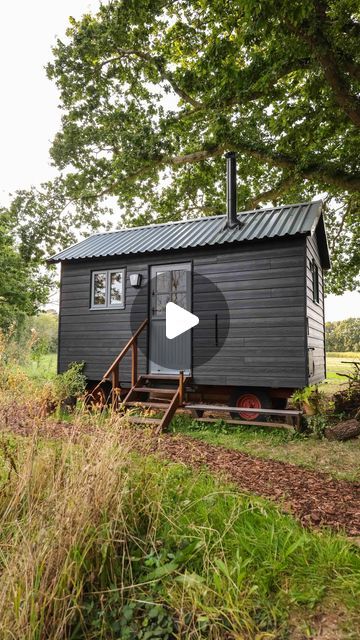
point(254, 279)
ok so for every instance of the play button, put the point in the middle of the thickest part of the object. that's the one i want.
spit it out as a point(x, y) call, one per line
point(168, 346)
point(178, 320)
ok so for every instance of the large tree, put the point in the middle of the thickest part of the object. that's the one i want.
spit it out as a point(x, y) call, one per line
point(23, 285)
point(343, 335)
point(153, 93)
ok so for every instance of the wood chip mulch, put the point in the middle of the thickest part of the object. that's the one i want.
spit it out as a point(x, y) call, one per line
point(313, 498)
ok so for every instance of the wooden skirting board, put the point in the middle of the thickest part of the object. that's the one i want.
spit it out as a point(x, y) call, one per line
point(250, 423)
point(291, 413)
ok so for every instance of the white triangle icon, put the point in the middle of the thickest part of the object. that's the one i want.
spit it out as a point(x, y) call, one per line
point(178, 320)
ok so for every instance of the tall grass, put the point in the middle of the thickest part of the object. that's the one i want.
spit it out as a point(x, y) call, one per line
point(99, 542)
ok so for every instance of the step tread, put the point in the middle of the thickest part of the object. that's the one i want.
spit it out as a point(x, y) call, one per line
point(159, 376)
point(155, 389)
point(139, 403)
point(140, 420)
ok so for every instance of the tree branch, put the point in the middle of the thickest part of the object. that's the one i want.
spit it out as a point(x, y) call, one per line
point(271, 194)
point(341, 225)
point(160, 66)
point(351, 68)
point(247, 95)
point(327, 174)
point(321, 49)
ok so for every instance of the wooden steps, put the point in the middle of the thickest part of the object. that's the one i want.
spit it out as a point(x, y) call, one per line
point(142, 420)
point(147, 405)
point(159, 376)
point(146, 386)
point(155, 389)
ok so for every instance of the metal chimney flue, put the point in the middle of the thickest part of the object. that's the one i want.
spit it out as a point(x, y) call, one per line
point(232, 220)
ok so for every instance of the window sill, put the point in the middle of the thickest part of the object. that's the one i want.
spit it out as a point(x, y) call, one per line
point(112, 308)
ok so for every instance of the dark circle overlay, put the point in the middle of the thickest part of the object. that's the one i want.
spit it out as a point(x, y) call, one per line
point(208, 303)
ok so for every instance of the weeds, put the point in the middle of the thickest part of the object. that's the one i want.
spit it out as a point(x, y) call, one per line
point(97, 542)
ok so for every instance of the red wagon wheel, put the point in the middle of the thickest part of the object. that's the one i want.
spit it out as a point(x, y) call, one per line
point(253, 399)
point(249, 400)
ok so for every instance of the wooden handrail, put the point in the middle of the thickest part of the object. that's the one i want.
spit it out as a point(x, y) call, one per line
point(113, 369)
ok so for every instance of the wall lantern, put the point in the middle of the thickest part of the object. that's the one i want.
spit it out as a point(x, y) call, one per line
point(135, 280)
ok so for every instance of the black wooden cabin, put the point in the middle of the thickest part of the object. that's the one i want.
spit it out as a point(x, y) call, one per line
point(267, 265)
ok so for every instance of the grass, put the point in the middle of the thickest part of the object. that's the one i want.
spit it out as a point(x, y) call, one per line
point(43, 368)
point(335, 366)
point(97, 542)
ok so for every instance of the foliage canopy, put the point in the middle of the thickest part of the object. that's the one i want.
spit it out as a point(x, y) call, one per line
point(343, 335)
point(154, 92)
point(22, 286)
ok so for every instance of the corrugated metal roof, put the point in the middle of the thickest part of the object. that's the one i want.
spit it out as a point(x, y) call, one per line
point(281, 221)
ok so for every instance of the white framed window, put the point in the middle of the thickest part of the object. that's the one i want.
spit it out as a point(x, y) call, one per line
point(108, 289)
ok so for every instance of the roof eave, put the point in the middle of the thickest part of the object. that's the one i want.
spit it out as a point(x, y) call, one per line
point(323, 243)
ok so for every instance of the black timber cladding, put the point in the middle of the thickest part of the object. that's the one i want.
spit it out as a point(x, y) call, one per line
point(315, 315)
point(263, 283)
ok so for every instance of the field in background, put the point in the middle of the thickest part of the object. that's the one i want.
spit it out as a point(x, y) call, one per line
point(43, 368)
point(336, 366)
point(337, 363)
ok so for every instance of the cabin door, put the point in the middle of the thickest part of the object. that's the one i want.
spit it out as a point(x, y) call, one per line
point(169, 283)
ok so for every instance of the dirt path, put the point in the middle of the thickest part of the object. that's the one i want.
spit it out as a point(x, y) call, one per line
point(314, 498)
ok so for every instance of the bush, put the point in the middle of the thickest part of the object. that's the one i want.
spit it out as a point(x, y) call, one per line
point(317, 425)
point(310, 397)
point(71, 383)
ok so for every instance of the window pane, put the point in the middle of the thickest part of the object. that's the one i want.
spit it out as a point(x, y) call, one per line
point(160, 304)
point(179, 280)
point(116, 287)
point(99, 288)
point(315, 282)
point(180, 299)
point(163, 281)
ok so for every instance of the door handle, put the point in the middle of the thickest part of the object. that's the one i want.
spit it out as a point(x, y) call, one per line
point(216, 330)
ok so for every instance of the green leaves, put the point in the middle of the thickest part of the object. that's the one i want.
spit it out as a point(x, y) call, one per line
point(343, 335)
point(153, 93)
point(22, 286)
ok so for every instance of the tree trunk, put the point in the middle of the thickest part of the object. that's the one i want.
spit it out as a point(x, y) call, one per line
point(344, 430)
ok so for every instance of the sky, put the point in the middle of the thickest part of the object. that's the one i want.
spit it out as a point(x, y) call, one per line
point(29, 117)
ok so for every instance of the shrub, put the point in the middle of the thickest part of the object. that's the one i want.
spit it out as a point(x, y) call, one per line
point(312, 397)
point(317, 425)
point(71, 383)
